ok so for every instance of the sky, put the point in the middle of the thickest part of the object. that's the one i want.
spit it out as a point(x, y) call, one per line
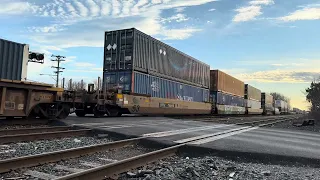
point(273, 45)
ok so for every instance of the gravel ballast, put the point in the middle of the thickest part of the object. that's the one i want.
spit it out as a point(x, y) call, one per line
point(37, 147)
point(68, 166)
point(216, 168)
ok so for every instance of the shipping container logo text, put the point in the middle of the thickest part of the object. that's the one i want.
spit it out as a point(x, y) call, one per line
point(155, 86)
point(184, 98)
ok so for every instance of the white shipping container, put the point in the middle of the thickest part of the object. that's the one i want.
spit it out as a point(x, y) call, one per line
point(253, 104)
point(281, 105)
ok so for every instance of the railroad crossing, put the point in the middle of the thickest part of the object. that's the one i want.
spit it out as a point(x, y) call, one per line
point(242, 139)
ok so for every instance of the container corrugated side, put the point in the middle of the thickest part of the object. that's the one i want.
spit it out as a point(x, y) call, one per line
point(227, 109)
point(252, 93)
point(144, 84)
point(227, 99)
point(253, 104)
point(220, 81)
point(13, 60)
point(131, 49)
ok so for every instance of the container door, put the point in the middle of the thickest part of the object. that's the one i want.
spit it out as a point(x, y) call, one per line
point(122, 80)
point(118, 50)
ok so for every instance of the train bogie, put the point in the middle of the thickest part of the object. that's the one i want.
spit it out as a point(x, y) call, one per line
point(25, 99)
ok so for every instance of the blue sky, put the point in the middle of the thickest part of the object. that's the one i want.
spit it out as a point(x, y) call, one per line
point(271, 44)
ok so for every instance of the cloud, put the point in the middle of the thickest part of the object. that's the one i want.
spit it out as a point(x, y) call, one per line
point(211, 9)
point(180, 9)
point(78, 23)
point(297, 71)
point(171, 34)
point(84, 64)
point(307, 13)
point(177, 18)
point(302, 76)
point(46, 29)
point(251, 11)
point(261, 2)
point(15, 8)
point(247, 13)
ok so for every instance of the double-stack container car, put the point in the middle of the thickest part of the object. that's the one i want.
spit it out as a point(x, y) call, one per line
point(226, 93)
point(142, 75)
point(153, 77)
point(252, 98)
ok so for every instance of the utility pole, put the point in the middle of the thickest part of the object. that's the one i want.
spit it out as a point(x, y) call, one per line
point(58, 68)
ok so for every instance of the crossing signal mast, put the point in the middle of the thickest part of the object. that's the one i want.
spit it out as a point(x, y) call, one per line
point(59, 69)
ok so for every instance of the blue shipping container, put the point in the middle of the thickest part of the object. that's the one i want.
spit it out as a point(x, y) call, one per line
point(145, 84)
point(227, 99)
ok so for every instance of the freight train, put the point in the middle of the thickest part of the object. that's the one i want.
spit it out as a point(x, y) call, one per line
point(142, 75)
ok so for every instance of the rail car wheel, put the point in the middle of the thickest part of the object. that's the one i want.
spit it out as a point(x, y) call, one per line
point(97, 113)
point(113, 112)
point(64, 111)
point(80, 113)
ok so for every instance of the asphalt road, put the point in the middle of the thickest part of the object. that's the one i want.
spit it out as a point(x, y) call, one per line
point(264, 142)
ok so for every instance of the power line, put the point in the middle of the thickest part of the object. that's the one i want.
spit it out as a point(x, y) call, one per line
point(58, 68)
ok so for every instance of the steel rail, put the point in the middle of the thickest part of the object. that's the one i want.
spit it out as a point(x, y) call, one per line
point(33, 130)
point(265, 120)
point(109, 170)
point(41, 136)
point(113, 169)
point(34, 160)
point(214, 119)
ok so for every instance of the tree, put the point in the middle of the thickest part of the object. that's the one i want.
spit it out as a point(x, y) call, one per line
point(76, 85)
point(313, 97)
point(95, 82)
point(279, 96)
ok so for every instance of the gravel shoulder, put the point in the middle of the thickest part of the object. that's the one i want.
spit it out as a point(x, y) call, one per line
point(293, 125)
point(216, 168)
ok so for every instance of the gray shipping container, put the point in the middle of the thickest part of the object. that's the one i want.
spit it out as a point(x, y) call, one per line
point(13, 60)
point(132, 50)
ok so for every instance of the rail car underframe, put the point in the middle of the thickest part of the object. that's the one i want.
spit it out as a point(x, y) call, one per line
point(25, 99)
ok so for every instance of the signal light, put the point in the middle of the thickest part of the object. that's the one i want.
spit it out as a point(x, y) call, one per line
point(36, 57)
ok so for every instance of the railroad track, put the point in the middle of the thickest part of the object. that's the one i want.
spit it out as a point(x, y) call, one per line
point(32, 134)
point(244, 118)
point(111, 170)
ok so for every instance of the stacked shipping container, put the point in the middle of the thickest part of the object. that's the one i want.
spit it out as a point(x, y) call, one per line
point(267, 103)
point(252, 97)
point(139, 63)
point(282, 106)
point(226, 93)
point(13, 60)
point(220, 81)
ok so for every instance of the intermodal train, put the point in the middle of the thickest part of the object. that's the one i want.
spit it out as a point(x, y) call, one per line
point(141, 75)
